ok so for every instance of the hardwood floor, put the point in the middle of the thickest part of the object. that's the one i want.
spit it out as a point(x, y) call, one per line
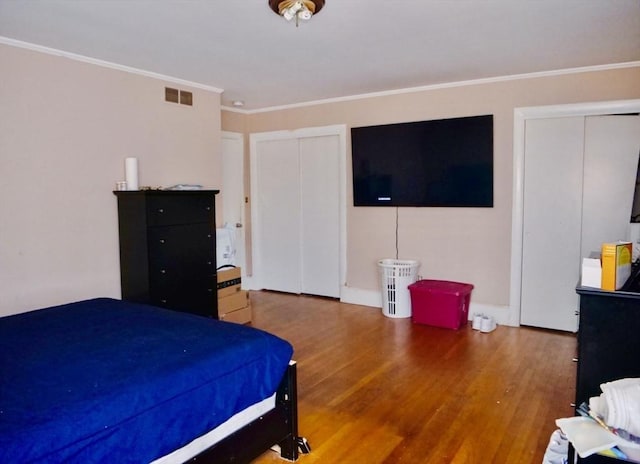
point(377, 390)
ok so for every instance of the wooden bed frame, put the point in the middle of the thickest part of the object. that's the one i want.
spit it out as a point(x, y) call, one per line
point(278, 426)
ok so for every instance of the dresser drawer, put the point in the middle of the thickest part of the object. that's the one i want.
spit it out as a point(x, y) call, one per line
point(197, 302)
point(173, 209)
point(194, 296)
point(186, 249)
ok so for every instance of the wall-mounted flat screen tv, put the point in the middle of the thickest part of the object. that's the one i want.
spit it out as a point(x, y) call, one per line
point(438, 163)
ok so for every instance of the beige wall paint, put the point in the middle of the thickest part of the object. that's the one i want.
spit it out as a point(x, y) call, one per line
point(462, 244)
point(65, 130)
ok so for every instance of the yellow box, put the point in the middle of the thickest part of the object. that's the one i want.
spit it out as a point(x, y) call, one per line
point(239, 316)
point(229, 281)
point(616, 264)
point(232, 302)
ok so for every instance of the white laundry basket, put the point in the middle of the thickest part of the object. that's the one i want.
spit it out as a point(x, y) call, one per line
point(397, 275)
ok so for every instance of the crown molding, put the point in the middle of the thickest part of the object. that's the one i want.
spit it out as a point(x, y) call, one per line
point(106, 64)
point(448, 85)
point(197, 85)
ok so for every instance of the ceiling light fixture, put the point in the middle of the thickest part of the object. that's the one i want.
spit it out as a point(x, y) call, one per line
point(298, 9)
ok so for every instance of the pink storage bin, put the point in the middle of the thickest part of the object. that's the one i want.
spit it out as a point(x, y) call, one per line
point(440, 303)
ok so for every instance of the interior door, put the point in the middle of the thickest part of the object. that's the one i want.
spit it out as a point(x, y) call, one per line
point(233, 210)
point(278, 215)
point(320, 206)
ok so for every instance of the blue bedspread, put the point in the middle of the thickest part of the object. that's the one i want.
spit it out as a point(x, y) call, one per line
point(104, 381)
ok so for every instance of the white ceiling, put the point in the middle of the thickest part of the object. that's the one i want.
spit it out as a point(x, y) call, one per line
point(351, 47)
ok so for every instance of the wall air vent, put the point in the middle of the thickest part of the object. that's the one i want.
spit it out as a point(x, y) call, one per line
point(186, 98)
point(171, 95)
point(178, 96)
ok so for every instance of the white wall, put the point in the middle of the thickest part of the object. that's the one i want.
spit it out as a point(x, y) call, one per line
point(65, 129)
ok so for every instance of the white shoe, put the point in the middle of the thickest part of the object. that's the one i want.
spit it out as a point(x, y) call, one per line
point(477, 322)
point(488, 324)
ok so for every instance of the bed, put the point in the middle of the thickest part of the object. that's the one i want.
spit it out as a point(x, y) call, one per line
point(105, 380)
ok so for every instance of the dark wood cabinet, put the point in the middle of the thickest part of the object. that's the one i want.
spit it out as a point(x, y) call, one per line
point(608, 344)
point(168, 249)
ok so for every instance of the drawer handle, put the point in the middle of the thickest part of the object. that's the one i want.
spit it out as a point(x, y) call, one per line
point(208, 235)
point(163, 271)
point(208, 208)
point(577, 313)
point(160, 210)
point(163, 301)
point(210, 290)
point(162, 240)
point(575, 360)
point(573, 405)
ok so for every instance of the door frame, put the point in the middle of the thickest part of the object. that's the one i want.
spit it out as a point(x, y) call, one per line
point(520, 117)
point(334, 130)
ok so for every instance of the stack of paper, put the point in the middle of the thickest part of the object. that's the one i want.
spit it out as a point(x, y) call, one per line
point(588, 437)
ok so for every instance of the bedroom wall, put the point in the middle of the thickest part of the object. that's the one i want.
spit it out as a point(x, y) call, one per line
point(462, 244)
point(65, 128)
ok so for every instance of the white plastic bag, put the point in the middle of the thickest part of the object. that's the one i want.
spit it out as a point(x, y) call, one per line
point(558, 449)
point(226, 246)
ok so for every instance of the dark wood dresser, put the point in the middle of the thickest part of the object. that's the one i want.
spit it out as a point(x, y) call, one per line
point(608, 343)
point(168, 249)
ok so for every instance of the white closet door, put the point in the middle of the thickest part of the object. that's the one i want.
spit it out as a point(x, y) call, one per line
point(278, 183)
point(611, 151)
point(552, 222)
point(296, 187)
point(320, 221)
point(579, 180)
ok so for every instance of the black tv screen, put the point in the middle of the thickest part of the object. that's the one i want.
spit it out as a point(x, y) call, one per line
point(445, 163)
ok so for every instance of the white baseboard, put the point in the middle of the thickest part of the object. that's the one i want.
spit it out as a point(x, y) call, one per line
point(361, 297)
point(373, 298)
point(501, 314)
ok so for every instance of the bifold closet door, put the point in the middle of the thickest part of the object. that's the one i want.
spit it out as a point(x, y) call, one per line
point(320, 232)
point(298, 229)
point(612, 145)
point(579, 180)
point(278, 209)
point(552, 222)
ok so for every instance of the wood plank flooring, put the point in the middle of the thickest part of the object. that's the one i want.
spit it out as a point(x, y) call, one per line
point(377, 390)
